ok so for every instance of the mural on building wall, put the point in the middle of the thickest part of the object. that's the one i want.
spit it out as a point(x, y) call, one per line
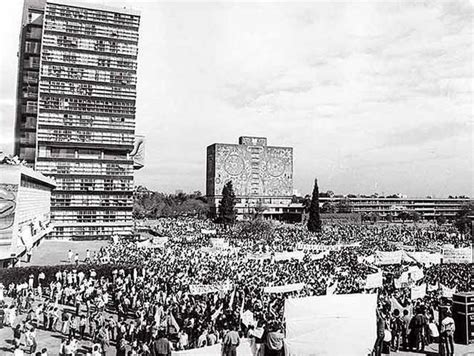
point(138, 152)
point(8, 194)
point(254, 170)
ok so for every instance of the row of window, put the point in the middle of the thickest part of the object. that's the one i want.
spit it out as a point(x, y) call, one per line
point(111, 122)
point(31, 62)
point(66, 200)
point(33, 32)
point(87, 105)
point(82, 89)
point(96, 75)
point(30, 76)
point(88, 44)
point(32, 47)
point(84, 168)
point(61, 135)
point(88, 29)
point(89, 59)
point(92, 15)
point(60, 232)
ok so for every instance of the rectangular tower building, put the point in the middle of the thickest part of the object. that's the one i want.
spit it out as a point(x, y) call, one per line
point(76, 111)
point(261, 175)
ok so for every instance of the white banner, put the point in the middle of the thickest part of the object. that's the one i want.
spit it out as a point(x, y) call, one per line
point(418, 292)
point(259, 256)
point(317, 247)
point(424, 257)
point(457, 255)
point(374, 280)
point(284, 289)
point(388, 258)
point(314, 325)
point(244, 349)
point(198, 289)
point(285, 256)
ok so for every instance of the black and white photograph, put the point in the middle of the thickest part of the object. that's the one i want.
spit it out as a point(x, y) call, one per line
point(236, 178)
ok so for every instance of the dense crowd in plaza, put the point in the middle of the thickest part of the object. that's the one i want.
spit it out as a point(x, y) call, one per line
point(198, 285)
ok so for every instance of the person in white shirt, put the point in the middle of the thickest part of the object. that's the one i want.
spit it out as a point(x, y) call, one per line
point(447, 332)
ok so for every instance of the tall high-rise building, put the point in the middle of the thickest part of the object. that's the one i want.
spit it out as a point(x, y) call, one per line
point(76, 111)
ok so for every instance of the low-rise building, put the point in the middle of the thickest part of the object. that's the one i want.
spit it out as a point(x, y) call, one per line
point(25, 210)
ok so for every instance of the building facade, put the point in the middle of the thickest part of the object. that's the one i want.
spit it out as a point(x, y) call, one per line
point(427, 208)
point(76, 111)
point(261, 175)
point(25, 204)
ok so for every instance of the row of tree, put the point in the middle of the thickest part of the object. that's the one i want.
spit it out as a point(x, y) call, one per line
point(152, 205)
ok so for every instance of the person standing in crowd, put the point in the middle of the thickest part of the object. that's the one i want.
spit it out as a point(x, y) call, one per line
point(447, 333)
point(161, 346)
point(274, 341)
point(396, 326)
point(380, 333)
point(76, 258)
point(418, 326)
point(231, 342)
point(69, 256)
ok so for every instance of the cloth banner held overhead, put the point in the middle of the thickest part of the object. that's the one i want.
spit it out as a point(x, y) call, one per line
point(259, 256)
point(418, 291)
point(317, 247)
point(314, 325)
point(457, 255)
point(198, 289)
point(388, 258)
point(244, 349)
point(285, 256)
point(219, 242)
point(374, 280)
point(284, 289)
point(423, 257)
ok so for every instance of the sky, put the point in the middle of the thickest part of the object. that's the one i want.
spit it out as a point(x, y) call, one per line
point(373, 96)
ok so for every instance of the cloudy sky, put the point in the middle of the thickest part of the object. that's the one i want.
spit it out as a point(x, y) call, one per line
point(374, 97)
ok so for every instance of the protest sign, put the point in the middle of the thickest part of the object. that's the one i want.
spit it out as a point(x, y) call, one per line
point(415, 273)
point(374, 280)
point(447, 292)
point(208, 232)
point(388, 258)
point(418, 291)
point(247, 318)
point(457, 255)
point(285, 288)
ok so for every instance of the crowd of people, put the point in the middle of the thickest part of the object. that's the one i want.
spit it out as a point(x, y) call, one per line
point(189, 292)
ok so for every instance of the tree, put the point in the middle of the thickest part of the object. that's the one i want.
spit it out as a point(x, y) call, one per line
point(440, 219)
point(344, 206)
point(462, 220)
point(314, 221)
point(227, 212)
point(328, 207)
point(415, 216)
point(404, 215)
